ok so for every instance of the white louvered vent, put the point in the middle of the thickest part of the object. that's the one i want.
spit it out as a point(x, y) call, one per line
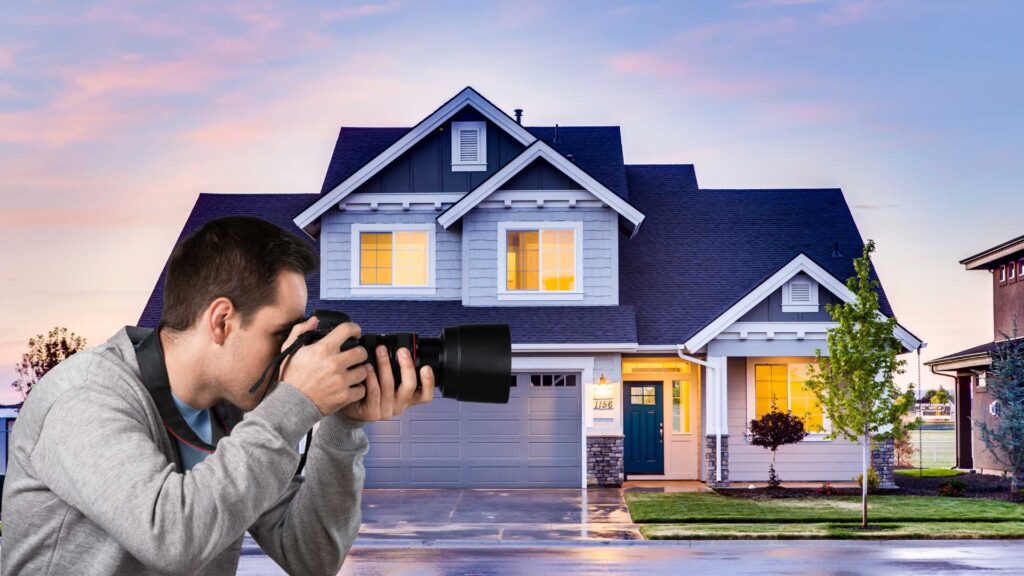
point(469, 146)
point(800, 294)
point(469, 143)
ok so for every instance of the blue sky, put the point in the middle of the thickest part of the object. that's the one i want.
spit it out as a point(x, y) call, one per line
point(115, 115)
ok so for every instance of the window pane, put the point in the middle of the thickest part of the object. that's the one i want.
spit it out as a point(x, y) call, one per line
point(681, 406)
point(522, 255)
point(411, 258)
point(375, 258)
point(557, 260)
point(802, 402)
point(770, 384)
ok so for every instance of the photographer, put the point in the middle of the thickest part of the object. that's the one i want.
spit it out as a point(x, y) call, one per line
point(103, 479)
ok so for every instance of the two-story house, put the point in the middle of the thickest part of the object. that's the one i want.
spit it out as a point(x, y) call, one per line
point(1005, 263)
point(651, 319)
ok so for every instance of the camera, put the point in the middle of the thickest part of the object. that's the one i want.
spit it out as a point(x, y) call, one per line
point(471, 362)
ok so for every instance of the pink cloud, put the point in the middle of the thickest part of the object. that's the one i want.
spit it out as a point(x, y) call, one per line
point(847, 13)
point(360, 11)
point(6, 57)
point(685, 76)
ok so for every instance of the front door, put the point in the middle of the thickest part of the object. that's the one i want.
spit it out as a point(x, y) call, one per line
point(644, 429)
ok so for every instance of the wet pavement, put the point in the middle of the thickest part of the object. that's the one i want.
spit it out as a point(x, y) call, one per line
point(737, 558)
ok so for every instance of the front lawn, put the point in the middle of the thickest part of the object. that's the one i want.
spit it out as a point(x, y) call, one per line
point(837, 531)
point(929, 472)
point(711, 508)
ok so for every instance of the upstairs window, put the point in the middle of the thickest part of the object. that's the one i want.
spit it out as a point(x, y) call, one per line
point(1011, 269)
point(541, 260)
point(1002, 274)
point(469, 146)
point(392, 258)
point(800, 294)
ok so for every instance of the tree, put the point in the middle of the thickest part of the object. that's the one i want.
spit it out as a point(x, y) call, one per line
point(45, 352)
point(855, 382)
point(775, 429)
point(941, 396)
point(1004, 435)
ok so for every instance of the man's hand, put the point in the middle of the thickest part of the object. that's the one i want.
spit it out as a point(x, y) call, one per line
point(383, 400)
point(324, 373)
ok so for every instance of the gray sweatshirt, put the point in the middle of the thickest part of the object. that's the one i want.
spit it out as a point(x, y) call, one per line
point(92, 485)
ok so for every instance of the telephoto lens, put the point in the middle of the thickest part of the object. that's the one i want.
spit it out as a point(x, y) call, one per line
point(471, 362)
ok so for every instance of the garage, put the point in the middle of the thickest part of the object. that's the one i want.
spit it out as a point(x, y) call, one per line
point(534, 441)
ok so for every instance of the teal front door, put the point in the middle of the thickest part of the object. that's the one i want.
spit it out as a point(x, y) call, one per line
point(644, 429)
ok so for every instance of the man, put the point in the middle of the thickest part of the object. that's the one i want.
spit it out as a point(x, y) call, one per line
point(96, 484)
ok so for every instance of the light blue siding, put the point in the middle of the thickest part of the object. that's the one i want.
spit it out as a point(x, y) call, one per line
point(600, 254)
point(336, 254)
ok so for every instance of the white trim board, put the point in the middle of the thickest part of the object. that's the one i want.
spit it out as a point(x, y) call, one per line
point(801, 263)
point(467, 96)
point(540, 149)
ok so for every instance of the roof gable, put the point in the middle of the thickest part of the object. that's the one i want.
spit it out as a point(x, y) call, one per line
point(540, 150)
point(309, 218)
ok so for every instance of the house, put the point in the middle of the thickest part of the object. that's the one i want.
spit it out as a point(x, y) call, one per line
point(8, 415)
point(651, 319)
point(1005, 263)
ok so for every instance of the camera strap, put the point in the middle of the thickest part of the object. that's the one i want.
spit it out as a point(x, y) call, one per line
point(153, 368)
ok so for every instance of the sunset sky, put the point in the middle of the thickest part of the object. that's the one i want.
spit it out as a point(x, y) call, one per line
point(114, 116)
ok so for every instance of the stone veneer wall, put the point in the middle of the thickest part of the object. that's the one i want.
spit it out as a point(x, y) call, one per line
point(883, 460)
point(604, 460)
point(709, 458)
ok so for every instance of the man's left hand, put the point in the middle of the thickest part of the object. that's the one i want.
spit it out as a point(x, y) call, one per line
point(383, 398)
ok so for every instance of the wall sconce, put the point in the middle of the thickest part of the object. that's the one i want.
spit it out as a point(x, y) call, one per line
point(603, 390)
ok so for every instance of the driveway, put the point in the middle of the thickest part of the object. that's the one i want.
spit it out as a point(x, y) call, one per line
point(496, 515)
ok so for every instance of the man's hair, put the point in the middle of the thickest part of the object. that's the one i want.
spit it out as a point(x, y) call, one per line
point(238, 257)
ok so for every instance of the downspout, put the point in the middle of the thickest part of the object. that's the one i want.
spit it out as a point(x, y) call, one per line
point(718, 412)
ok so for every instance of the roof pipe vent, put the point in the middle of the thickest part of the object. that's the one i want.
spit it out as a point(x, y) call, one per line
point(519, 116)
point(555, 139)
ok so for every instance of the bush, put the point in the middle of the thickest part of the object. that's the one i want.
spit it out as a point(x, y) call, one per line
point(873, 482)
point(952, 488)
point(827, 489)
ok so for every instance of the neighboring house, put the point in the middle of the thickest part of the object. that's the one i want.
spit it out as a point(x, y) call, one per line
point(1005, 263)
point(8, 414)
point(649, 317)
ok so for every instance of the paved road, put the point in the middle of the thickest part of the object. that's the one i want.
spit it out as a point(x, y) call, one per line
point(815, 558)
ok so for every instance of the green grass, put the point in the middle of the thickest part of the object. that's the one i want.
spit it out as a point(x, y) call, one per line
point(928, 472)
point(711, 508)
point(838, 531)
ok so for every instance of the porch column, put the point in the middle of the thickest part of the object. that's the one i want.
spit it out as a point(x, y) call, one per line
point(716, 411)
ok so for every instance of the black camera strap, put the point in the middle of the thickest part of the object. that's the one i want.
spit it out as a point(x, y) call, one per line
point(153, 368)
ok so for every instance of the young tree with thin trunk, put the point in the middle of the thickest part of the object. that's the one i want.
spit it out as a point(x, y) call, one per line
point(855, 382)
point(1004, 435)
point(45, 352)
point(774, 430)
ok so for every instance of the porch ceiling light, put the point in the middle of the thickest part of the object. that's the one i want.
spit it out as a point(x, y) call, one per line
point(602, 390)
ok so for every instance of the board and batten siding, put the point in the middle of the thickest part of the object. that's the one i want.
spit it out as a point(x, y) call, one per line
point(836, 460)
point(600, 254)
point(336, 254)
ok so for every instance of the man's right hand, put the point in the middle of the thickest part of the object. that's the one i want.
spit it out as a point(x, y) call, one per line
point(324, 373)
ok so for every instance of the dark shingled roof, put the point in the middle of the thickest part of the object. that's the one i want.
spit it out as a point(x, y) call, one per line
point(698, 253)
point(595, 149)
point(701, 251)
point(554, 325)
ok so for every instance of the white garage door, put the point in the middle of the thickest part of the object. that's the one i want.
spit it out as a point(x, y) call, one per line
point(533, 441)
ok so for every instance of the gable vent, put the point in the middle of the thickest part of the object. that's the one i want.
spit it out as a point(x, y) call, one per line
point(469, 145)
point(800, 292)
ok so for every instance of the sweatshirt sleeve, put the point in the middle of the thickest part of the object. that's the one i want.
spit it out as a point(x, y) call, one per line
point(312, 527)
point(96, 451)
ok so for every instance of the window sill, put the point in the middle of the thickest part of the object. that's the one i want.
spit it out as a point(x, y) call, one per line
point(815, 438)
point(800, 308)
point(469, 167)
point(575, 295)
point(393, 290)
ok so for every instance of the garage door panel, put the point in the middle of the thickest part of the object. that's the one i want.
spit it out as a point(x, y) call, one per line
point(533, 441)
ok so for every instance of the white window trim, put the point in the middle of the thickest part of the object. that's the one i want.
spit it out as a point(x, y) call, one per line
point(458, 164)
point(503, 229)
point(787, 298)
point(751, 408)
point(358, 289)
point(1002, 273)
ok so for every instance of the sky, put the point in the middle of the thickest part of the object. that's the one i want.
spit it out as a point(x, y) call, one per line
point(115, 115)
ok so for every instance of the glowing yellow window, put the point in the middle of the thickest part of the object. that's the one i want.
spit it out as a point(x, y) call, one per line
point(681, 406)
point(770, 384)
point(542, 260)
point(802, 402)
point(393, 258)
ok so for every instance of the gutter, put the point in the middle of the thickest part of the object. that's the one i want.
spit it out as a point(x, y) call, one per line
point(956, 392)
point(718, 412)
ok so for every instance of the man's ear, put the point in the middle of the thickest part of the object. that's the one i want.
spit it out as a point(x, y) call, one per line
point(218, 319)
